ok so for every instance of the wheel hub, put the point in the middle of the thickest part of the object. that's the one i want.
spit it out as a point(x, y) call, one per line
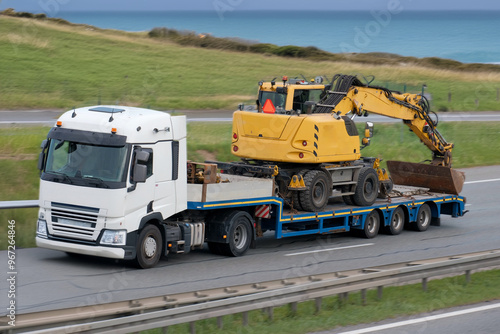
point(150, 247)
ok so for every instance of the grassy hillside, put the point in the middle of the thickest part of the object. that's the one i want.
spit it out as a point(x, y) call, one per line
point(46, 64)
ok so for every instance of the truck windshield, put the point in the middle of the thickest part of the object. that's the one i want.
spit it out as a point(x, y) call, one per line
point(86, 164)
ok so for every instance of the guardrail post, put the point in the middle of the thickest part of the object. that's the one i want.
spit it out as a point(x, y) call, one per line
point(380, 290)
point(220, 322)
point(363, 296)
point(245, 319)
point(318, 302)
point(192, 327)
point(270, 313)
point(293, 308)
point(164, 330)
point(343, 298)
point(467, 276)
point(424, 284)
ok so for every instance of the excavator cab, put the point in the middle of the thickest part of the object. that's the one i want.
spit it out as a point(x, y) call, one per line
point(294, 96)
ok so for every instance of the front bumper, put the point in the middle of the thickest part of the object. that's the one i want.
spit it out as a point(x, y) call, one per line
point(109, 252)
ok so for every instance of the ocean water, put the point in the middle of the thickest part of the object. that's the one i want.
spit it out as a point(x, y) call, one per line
point(464, 36)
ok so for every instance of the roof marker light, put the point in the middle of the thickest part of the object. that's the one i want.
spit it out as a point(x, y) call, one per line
point(113, 130)
point(59, 124)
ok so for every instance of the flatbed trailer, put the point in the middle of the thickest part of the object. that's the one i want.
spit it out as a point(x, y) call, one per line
point(412, 207)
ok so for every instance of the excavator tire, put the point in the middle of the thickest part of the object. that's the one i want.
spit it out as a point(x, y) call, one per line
point(318, 191)
point(348, 199)
point(367, 187)
point(296, 194)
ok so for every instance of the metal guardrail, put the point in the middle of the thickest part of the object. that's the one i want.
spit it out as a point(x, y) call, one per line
point(19, 204)
point(164, 311)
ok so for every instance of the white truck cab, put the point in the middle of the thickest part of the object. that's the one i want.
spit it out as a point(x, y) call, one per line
point(106, 171)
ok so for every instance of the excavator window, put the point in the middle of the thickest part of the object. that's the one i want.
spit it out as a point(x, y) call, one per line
point(278, 99)
point(301, 96)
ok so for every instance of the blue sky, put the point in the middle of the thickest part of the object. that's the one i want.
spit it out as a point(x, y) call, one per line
point(51, 6)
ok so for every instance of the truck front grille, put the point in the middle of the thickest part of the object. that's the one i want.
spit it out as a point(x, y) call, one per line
point(72, 221)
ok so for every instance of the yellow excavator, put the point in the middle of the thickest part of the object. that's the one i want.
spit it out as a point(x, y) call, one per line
point(304, 131)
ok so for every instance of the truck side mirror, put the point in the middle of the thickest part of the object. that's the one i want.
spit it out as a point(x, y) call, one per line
point(41, 156)
point(140, 169)
point(141, 156)
point(41, 159)
point(140, 173)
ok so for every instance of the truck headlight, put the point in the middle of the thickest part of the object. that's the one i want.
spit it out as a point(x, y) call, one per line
point(114, 237)
point(41, 228)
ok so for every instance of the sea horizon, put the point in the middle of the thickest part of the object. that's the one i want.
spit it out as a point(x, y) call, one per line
point(459, 35)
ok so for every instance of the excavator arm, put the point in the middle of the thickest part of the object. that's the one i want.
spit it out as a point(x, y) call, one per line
point(412, 109)
point(349, 95)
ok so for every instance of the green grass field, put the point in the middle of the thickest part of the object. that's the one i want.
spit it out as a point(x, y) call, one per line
point(50, 65)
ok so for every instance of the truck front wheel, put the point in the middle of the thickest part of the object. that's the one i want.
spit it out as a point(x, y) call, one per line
point(149, 247)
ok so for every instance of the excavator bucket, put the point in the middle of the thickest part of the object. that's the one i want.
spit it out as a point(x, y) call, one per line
point(436, 178)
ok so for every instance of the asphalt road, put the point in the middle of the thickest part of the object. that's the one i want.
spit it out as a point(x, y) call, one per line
point(48, 279)
point(49, 117)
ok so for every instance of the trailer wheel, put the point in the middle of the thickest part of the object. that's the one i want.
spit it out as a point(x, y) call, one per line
point(149, 247)
point(372, 225)
point(366, 191)
point(424, 217)
point(239, 234)
point(397, 222)
point(318, 191)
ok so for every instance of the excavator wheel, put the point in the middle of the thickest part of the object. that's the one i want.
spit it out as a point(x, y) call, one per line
point(296, 194)
point(318, 191)
point(348, 199)
point(367, 187)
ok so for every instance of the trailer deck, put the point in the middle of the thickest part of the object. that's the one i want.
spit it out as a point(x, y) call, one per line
point(339, 217)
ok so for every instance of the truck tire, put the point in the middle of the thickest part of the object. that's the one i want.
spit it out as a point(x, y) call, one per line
point(397, 222)
point(424, 217)
point(366, 191)
point(372, 225)
point(239, 234)
point(318, 191)
point(149, 247)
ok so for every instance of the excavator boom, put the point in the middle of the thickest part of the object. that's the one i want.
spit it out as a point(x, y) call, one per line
point(415, 112)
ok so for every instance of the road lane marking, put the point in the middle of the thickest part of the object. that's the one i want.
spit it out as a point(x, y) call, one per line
point(482, 181)
point(329, 249)
point(424, 319)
